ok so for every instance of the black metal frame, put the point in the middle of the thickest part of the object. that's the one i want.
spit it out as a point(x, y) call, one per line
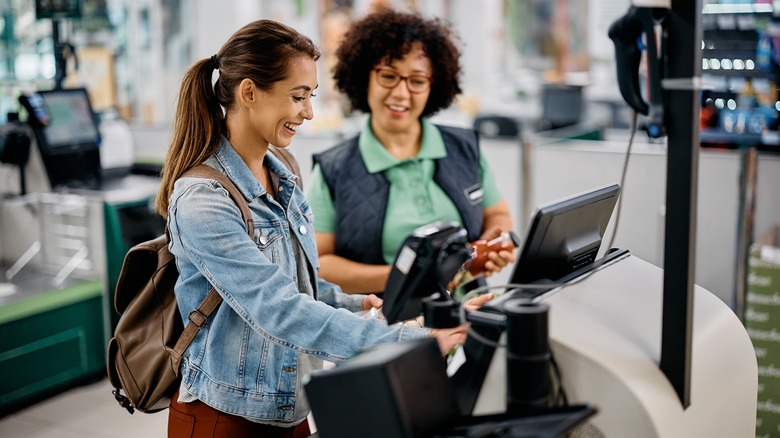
point(682, 101)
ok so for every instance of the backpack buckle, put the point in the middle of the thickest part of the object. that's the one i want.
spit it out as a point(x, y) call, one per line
point(123, 401)
point(198, 318)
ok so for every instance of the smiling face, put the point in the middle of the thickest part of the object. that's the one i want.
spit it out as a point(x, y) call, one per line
point(396, 109)
point(278, 112)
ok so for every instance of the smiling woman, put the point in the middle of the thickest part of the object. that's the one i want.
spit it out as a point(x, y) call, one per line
point(277, 320)
point(401, 172)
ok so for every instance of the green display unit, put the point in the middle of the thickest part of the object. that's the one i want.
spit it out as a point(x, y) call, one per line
point(762, 318)
point(49, 342)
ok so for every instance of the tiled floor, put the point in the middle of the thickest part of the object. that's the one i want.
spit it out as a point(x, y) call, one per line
point(88, 411)
point(84, 412)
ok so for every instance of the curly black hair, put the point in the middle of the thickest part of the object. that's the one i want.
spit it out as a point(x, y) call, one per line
point(389, 35)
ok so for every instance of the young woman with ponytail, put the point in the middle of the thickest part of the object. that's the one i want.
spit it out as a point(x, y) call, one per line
point(241, 376)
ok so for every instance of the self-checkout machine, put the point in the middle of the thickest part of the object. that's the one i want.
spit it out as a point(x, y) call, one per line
point(64, 231)
point(640, 351)
point(51, 292)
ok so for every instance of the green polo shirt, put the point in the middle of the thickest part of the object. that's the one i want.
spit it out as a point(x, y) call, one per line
point(414, 199)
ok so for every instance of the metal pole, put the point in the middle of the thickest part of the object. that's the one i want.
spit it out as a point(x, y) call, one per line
point(681, 105)
point(526, 204)
point(60, 65)
point(747, 203)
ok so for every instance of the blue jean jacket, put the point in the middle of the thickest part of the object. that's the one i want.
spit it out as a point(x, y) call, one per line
point(244, 361)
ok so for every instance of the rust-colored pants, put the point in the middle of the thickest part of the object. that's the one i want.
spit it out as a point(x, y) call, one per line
point(199, 420)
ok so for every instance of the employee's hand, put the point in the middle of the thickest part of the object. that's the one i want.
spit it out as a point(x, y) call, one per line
point(496, 260)
point(449, 338)
point(491, 233)
point(372, 301)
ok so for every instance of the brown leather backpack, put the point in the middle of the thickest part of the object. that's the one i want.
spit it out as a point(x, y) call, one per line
point(150, 337)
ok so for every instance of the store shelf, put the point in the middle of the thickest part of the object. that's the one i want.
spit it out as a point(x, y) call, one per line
point(736, 16)
point(736, 9)
point(717, 136)
point(746, 74)
point(768, 141)
point(739, 79)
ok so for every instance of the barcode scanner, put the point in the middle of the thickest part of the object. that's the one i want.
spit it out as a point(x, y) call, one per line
point(627, 34)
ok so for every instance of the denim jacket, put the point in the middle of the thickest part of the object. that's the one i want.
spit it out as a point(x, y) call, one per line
point(245, 360)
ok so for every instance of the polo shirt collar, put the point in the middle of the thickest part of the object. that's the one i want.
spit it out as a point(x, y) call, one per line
point(377, 158)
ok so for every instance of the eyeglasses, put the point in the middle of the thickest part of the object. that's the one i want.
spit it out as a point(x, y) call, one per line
point(389, 78)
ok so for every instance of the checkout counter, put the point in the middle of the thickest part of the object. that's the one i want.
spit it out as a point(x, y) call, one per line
point(62, 247)
point(599, 318)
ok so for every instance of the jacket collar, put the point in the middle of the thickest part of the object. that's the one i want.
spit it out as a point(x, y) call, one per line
point(234, 167)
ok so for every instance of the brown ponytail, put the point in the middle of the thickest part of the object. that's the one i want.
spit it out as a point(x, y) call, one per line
point(196, 131)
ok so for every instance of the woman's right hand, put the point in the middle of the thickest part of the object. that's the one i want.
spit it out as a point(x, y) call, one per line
point(450, 337)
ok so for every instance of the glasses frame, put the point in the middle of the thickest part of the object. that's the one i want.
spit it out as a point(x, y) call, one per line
point(402, 78)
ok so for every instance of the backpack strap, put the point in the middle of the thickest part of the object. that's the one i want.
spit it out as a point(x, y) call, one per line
point(206, 171)
point(200, 315)
point(288, 160)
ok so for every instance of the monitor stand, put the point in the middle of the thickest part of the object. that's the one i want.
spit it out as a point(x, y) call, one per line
point(537, 294)
point(488, 322)
point(73, 170)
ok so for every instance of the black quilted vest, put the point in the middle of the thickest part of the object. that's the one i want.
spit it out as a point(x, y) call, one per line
point(360, 198)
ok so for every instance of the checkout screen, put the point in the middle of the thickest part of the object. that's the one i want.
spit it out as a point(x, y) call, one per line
point(71, 121)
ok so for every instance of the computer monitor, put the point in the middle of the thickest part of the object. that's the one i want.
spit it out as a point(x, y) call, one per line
point(561, 106)
point(565, 236)
point(426, 262)
point(67, 122)
point(67, 134)
point(561, 243)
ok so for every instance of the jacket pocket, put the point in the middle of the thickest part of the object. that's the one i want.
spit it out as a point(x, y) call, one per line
point(268, 241)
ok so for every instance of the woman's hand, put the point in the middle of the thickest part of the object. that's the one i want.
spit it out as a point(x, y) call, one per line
point(477, 302)
point(449, 338)
point(372, 301)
